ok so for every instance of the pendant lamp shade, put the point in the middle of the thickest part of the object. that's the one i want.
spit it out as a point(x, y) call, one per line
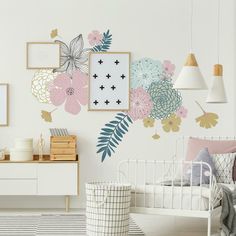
point(190, 76)
point(217, 90)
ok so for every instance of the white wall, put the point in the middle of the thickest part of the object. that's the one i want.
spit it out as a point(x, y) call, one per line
point(152, 28)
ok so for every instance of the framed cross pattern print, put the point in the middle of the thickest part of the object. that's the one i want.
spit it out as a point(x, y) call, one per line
point(3, 104)
point(109, 81)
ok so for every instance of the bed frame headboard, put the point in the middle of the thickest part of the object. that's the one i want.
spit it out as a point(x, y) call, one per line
point(182, 141)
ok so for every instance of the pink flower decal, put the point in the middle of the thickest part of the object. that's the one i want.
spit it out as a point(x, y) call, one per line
point(182, 112)
point(70, 89)
point(95, 38)
point(169, 67)
point(141, 104)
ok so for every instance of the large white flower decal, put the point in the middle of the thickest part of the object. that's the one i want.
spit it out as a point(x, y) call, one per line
point(74, 57)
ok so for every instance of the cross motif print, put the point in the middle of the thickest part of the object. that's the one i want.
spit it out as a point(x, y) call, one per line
point(100, 61)
point(113, 87)
point(122, 76)
point(101, 87)
point(95, 76)
point(106, 102)
point(108, 76)
point(95, 102)
point(109, 81)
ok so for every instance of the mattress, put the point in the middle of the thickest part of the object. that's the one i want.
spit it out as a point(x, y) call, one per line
point(157, 196)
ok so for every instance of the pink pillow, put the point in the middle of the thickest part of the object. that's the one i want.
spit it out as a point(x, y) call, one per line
point(214, 147)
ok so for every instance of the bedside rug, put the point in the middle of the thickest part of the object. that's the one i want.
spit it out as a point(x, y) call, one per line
point(50, 225)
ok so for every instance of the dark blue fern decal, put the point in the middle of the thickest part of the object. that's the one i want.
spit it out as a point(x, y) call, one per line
point(111, 135)
point(105, 43)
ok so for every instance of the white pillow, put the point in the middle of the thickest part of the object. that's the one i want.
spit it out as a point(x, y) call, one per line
point(224, 167)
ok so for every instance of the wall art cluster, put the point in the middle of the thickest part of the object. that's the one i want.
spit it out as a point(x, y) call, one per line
point(148, 83)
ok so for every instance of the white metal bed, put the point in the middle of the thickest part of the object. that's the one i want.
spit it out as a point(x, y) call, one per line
point(154, 188)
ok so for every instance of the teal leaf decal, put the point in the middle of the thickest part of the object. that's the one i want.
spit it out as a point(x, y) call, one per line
point(105, 43)
point(112, 133)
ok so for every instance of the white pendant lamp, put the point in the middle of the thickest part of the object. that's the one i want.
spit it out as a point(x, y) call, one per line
point(217, 93)
point(190, 76)
point(217, 90)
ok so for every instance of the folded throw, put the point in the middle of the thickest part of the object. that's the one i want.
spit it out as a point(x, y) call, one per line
point(228, 214)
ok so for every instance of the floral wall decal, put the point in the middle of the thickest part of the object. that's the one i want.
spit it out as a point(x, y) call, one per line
point(145, 71)
point(182, 112)
point(169, 68)
point(140, 104)
point(41, 83)
point(148, 122)
point(68, 84)
point(171, 123)
point(208, 119)
point(105, 43)
point(74, 56)
point(95, 38)
point(152, 98)
point(166, 100)
point(71, 90)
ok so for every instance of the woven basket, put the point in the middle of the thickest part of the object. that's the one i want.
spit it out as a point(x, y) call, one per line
point(107, 209)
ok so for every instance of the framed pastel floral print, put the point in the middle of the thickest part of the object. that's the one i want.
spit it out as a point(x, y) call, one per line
point(43, 55)
point(4, 105)
point(109, 81)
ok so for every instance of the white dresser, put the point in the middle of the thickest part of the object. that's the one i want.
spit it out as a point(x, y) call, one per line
point(44, 178)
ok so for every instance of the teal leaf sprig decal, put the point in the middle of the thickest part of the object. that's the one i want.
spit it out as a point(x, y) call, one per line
point(105, 43)
point(111, 135)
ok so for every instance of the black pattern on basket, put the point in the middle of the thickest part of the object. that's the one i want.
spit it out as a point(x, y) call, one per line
point(107, 209)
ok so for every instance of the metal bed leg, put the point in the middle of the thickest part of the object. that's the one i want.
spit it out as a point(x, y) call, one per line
point(209, 226)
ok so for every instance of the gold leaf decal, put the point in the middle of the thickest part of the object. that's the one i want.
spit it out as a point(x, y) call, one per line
point(47, 115)
point(54, 33)
point(156, 136)
point(208, 119)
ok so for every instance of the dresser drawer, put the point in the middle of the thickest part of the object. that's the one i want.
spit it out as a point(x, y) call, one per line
point(18, 187)
point(18, 170)
point(58, 179)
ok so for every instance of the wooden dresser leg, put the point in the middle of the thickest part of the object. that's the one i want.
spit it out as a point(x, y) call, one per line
point(67, 203)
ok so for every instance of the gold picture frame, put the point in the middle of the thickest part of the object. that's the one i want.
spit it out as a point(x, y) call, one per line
point(127, 87)
point(4, 104)
point(45, 56)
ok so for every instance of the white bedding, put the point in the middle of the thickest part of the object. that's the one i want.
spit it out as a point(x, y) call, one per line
point(195, 198)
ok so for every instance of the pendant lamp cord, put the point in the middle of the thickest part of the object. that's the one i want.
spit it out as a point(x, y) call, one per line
point(191, 26)
point(218, 32)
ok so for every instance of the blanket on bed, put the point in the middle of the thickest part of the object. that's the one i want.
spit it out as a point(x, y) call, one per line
point(228, 214)
point(176, 182)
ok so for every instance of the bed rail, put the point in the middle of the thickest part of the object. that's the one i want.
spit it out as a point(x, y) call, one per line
point(162, 185)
